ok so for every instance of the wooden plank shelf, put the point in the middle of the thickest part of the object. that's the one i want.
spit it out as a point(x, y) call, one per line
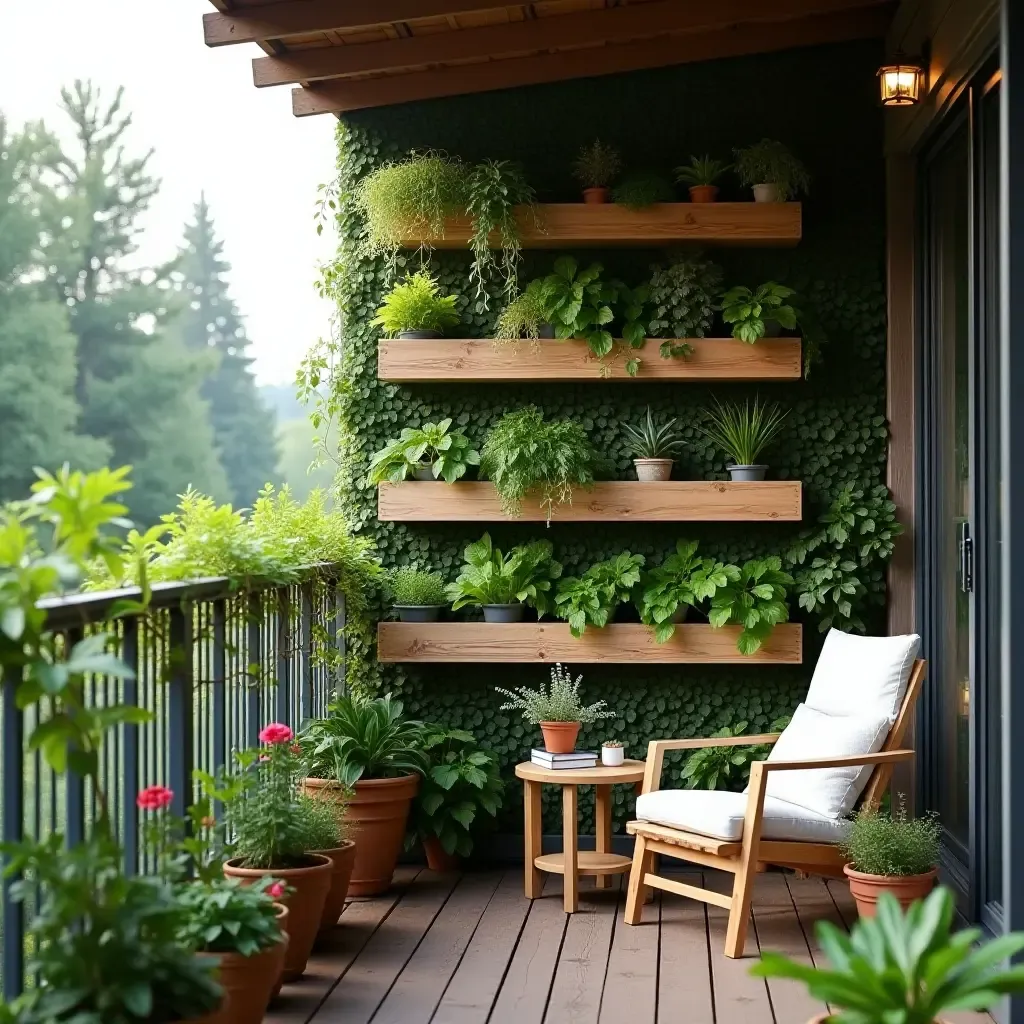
point(559, 225)
point(464, 359)
point(548, 642)
point(671, 501)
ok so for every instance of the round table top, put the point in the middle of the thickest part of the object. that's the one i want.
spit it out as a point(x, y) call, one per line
point(628, 771)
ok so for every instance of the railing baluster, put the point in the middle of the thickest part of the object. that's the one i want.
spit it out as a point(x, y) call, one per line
point(219, 667)
point(130, 656)
point(74, 791)
point(254, 660)
point(179, 710)
point(339, 637)
point(306, 645)
point(284, 667)
point(12, 757)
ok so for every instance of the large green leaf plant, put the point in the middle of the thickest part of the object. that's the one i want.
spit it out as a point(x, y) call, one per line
point(525, 576)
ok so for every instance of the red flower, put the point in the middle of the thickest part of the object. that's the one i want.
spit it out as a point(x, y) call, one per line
point(276, 732)
point(275, 891)
point(154, 798)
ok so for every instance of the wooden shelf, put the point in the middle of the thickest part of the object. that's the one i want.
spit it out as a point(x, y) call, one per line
point(548, 642)
point(559, 225)
point(673, 501)
point(449, 359)
point(588, 862)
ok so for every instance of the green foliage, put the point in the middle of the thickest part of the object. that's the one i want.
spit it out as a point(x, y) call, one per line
point(413, 587)
point(743, 432)
point(323, 828)
point(726, 767)
point(642, 190)
point(590, 599)
point(909, 967)
point(701, 170)
point(461, 785)
point(523, 316)
point(524, 453)
point(488, 577)
point(633, 308)
point(748, 310)
point(650, 440)
point(597, 165)
point(683, 295)
point(445, 451)
point(756, 601)
point(893, 844)
point(362, 738)
point(225, 916)
point(415, 305)
point(770, 162)
point(579, 304)
point(558, 702)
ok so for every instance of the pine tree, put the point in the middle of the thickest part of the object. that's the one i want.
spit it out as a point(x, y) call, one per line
point(243, 425)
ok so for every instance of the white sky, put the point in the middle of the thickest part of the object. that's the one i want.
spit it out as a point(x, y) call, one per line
point(211, 129)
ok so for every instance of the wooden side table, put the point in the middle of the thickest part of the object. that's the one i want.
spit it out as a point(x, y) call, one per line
point(572, 863)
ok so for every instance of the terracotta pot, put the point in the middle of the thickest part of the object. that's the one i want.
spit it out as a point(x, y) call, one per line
point(653, 469)
point(305, 905)
point(596, 194)
point(767, 192)
point(560, 737)
point(248, 982)
point(703, 193)
point(865, 889)
point(282, 918)
point(342, 858)
point(438, 858)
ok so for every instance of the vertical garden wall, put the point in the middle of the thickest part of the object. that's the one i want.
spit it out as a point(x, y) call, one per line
point(820, 102)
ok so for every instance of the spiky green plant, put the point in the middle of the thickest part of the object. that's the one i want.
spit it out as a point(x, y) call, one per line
point(651, 440)
point(743, 432)
point(701, 170)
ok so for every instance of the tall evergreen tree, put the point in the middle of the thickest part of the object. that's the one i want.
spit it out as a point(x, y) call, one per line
point(243, 425)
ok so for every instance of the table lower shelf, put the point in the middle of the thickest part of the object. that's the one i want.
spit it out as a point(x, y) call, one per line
point(588, 863)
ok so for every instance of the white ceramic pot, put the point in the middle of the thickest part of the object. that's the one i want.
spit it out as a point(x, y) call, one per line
point(653, 469)
point(612, 757)
point(767, 193)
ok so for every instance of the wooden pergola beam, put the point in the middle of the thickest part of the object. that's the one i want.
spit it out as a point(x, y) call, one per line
point(586, 29)
point(341, 95)
point(300, 17)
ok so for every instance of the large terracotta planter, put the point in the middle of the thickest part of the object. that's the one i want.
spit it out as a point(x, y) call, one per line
point(282, 923)
point(305, 905)
point(438, 858)
point(865, 889)
point(560, 737)
point(343, 859)
point(248, 982)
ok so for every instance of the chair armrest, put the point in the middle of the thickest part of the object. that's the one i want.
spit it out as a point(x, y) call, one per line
point(656, 752)
point(882, 757)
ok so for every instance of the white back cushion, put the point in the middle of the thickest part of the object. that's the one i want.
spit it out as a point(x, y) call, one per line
point(862, 675)
point(831, 792)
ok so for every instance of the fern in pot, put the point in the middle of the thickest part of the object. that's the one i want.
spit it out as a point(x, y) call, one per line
point(418, 596)
point(743, 433)
point(654, 447)
point(596, 167)
point(414, 309)
point(700, 175)
point(772, 171)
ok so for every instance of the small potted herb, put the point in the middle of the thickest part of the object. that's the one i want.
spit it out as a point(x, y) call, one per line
point(612, 754)
point(525, 316)
point(653, 446)
point(328, 833)
point(891, 853)
point(418, 596)
point(760, 313)
point(414, 309)
point(743, 433)
point(773, 172)
point(431, 452)
point(700, 174)
point(557, 709)
point(642, 190)
point(596, 167)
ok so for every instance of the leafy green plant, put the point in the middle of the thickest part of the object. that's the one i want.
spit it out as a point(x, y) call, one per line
point(642, 190)
point(488, 577)
point(415, 587)
point(770, 162)
point(579, 304)
point(743, 432)
point(362, 738)
point(650, 440)
point(701, 170)
point(225, 916)
point(525, 453)
point(756, 600)
point(523, 316)
point(415, 305)
point(726, 767)
point(590, 599)
point(323, 820)
point(447, 452)
point(558, 702)
point(683, 295)
point(908, 967)
point(597, 165)
point(749, 310)
point(462, 783)
point(892, 844)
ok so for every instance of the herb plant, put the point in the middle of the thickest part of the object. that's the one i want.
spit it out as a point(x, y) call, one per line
point(525, 453)
point(683, 296)
point(324, 830)
point(579, 304)
point(488, 577)
point(225, 916)
point(446, 451)
point(523, 316)
point(414, 587)
point(756, 600)
point(559, 702)
point(415, 305)
point(590, 599)
point(642, 190)
point(770, 162)
point(749, 310)
point(597, 165)
point(884, 844)
point(726, 767)
point(701, 170)
point(650, 440)
point(743, 432)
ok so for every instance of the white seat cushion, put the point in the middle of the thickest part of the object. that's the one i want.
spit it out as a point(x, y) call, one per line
point(862, 675)
point(720, 816)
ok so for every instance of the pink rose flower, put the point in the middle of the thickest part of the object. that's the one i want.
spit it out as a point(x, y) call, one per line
point(154, 798)
point(276, 732)
point(275, 891)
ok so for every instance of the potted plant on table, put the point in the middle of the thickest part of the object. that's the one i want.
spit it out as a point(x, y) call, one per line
point(418, 596)
point(557, 709)
point(612, 754)
point(653, 447)
point(759, 313)
point(596, 167)
point(891, 853)
point(592, 598)
point(365, 747)
point(329, 835)
point(461, 784)
point(413, 309)
point(743, 433)
point(773, 172)
point(700, 174)
point(431, 452)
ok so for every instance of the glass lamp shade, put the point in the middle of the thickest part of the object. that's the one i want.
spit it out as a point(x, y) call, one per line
point(900, 84)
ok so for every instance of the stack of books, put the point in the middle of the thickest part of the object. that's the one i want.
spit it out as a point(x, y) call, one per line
point(577, 759)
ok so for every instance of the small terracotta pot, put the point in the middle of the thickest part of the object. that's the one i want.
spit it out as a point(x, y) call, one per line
point(343, 859)
point(438, 858)
point(560, 737)
point(248, 982)
point(767, 192)
point(648, 470)
point(703, 193)
point(305, 905)
point(865, 889)
point(596, 194)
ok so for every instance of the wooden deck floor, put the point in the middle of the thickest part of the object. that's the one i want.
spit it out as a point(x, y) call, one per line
point(470, 949)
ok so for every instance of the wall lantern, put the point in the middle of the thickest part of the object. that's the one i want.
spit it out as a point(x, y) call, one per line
point(901, 82)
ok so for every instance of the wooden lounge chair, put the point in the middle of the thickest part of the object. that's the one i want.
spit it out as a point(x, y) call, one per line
point(837, 754)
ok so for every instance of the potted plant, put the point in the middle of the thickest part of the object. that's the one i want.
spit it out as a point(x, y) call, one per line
point(525, 316)
point(592, 598)
point(700, 174)
point(329, 835)
point(612, 754)
point(273, 837)
point(414, 309)
point(418, 596)
point(653, 447)
point(642, 190)
point(774, 173)
point(754, 598)
point(683, 298)
point(461, 785)
point(759, 313)
point(431, 452)
point(366, 747)
point(743, 433)
point(911, 966)
point(525, 453)
point(579, 304)
point(891, 853)
point(596, 167)
point(557, 709)
point(503, 586)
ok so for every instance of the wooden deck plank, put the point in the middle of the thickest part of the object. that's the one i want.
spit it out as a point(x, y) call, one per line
point(684, 977)
point(813, 903)
point(840, 892)
point(631, 983)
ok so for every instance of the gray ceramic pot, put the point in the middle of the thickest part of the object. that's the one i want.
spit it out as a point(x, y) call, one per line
point(767, 192)
point(747, 472)
point(546, 331)
point(418, 335)
point(423, 473)
point(504, 612)
point(418, 612)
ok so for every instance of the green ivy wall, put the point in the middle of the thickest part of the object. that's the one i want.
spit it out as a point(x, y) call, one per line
point(822, 103)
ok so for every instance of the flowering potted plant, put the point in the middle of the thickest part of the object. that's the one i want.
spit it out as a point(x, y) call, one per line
point(329, 835)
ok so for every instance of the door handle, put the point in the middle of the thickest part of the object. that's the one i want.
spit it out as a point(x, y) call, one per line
point(966, 549)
